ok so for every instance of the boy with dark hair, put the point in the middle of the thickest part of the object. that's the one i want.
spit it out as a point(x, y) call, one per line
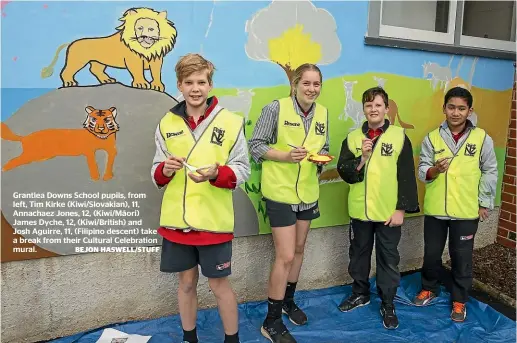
point(199, 171)
point(459, 167)
point(376, 160)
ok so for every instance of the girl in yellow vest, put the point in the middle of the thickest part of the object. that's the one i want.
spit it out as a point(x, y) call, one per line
point(377, 161)
point(288, 132)
point(201, 157)
point(459, 167)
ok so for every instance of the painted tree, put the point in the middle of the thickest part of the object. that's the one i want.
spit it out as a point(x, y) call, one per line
point(290, 33)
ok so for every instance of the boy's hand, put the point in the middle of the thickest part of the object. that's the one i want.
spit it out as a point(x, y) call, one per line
point(367, 147)
point(296, 155)
point(205, 174)
point(442, 165)
point(396, 219)
point(172, 164)
point(483, 213)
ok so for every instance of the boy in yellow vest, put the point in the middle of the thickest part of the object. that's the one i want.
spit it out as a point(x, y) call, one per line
point(459, 166)
point(201, 157)
point(376, 160)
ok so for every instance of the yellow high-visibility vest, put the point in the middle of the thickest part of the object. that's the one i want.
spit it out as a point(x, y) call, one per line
point(199, 206)
point(293, 183)
point(375, 198)
point(455, 193)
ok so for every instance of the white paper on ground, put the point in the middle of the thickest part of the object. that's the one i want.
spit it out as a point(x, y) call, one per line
point(115, 336)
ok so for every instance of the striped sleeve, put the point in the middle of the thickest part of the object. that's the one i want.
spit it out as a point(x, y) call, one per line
point(326, 148)
point(265, 132)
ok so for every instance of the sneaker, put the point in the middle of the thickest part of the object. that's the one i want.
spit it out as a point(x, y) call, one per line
point(389, 317)
point(424, 297)
point(276, 332)
point(295, 314)
point(459, 311)
point(353, 301)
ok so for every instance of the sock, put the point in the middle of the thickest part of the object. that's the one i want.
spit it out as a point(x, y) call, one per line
point(231, 338)
point(190, 336)
point(274, 309)
point(289, 292)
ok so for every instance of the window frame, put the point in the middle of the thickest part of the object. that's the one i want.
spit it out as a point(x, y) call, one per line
point(421, 35)
point(451, 42)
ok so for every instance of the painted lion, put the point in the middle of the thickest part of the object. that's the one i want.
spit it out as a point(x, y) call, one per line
point(140, 43)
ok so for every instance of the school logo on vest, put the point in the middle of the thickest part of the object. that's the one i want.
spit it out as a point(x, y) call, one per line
point(320, 129)
point(217, 136)
point(470, 150)
point(386, 149)
point(174, 134)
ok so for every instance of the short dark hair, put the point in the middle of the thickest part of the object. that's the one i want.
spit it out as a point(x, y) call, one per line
point(458, 92)
point(371, 93)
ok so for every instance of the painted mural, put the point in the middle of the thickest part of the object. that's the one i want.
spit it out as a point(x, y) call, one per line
point(80, 105)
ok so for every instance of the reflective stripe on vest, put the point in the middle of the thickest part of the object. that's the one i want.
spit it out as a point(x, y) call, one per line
point(375, 198)
point(455, 193)
point(293, 183)
point(199, 206)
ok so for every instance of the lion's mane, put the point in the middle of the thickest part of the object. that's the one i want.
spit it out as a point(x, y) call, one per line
point(160, 48)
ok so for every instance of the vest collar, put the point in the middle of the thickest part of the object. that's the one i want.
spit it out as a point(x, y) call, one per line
point(468, 126)
point(384, 127)
point(299, 109)
point(181, 108)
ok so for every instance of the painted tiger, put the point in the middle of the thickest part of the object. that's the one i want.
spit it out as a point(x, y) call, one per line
point(98, 133)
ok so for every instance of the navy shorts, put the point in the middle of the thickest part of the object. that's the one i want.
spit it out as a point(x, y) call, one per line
point(283, 215)
point(215, 260)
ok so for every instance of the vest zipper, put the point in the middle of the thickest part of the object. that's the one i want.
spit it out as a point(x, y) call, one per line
point(186, 159)
point(299, 163)
point(366, 180)
point(447, 171)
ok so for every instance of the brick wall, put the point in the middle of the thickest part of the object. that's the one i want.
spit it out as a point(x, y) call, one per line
point(507, 216)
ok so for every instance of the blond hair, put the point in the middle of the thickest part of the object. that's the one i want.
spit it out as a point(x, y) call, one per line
point(298, 73)
point(192, 63)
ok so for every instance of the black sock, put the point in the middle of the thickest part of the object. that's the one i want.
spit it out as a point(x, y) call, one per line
point(289, 292)
point(274, 309)
point(190, 336)
point(231, 338)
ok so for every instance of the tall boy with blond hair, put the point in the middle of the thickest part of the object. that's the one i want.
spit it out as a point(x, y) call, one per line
point(197, 219)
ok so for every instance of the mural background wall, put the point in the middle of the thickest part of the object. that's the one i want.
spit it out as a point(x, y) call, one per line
point(255, 46)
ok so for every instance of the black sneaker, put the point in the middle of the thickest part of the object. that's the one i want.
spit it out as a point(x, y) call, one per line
point(459, 312)
point(424, 297)
point(353, 301)
point(389, 317)
point(276, 332)
point(295, 314)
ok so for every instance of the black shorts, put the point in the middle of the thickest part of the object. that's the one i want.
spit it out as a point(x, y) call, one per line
point(215, 260)
point(283, 215)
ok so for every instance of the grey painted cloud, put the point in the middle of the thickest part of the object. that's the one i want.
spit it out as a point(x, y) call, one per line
point(279, 16)
point(138, 114)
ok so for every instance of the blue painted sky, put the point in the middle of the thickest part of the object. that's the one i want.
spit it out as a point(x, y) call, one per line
point(26, 49)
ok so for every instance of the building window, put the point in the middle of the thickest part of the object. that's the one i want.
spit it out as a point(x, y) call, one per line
point(472, 27)
point(429, 21)
point(489, 24)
